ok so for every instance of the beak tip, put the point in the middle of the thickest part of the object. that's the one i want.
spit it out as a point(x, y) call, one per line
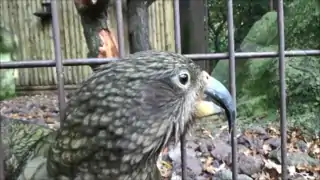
point(217, 91)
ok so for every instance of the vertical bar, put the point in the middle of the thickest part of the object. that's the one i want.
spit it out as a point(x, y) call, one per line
point(1, 153)
point(177, 36)
point(183, 157)
point(232, 80)
point(283, 120)
point(58, 57)
point(120, 30)
point(177, 32)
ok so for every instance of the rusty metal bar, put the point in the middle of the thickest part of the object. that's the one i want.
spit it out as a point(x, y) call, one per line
point(195, 57)
point(120, 30)
point(232, 80)
point(177, 38)
point(58, 57)
point(283, 108)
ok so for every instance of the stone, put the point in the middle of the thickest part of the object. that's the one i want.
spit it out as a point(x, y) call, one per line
point(226, 174)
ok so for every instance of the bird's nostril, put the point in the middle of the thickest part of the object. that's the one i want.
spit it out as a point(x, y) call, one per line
point(206, 75)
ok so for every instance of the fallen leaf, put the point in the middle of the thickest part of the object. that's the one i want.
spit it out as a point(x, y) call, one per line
point(272, 165)
point(266, 148)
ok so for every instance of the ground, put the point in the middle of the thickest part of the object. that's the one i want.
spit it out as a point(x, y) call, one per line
point(208, 149)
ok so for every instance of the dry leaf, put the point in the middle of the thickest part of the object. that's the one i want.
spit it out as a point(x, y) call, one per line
point(266, 148)
point(292, 170)
point(207, 166)
point(272, 165)
point(261, 176)
point(165, 168)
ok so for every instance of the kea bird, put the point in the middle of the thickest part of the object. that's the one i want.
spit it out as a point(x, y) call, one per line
point(119, 120)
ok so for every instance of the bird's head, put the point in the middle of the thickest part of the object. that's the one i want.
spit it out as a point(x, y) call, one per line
point(142, 101)
point(174, 89)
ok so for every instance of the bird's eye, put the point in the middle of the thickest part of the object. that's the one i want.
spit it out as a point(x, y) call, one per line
point(184, 78)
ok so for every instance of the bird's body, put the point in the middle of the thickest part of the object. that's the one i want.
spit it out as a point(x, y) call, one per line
point(121, 117)
point(24, 143)
point(117, 130)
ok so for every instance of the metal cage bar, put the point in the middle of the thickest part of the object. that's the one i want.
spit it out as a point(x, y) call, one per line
point(195, 57)
point(232, 80)
point(58, 57)
point(177, 36)
point(283, 120)
point(120, 32)
point(231, 56)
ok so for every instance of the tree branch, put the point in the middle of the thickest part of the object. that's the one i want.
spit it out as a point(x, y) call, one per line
point(138, 18)
point(93, 14)
point(98, 37)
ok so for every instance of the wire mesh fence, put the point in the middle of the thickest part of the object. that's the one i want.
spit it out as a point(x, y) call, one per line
point(231, 55)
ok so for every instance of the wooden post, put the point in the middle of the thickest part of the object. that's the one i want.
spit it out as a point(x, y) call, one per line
point(194, 29)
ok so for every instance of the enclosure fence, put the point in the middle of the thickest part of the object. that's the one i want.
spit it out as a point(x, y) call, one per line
point(231, 55)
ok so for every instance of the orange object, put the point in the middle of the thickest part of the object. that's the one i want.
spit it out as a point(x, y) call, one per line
point(109, 48)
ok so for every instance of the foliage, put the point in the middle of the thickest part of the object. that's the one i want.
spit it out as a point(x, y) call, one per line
point(258, 93)
point(8, 44)
point(303, 17)
point(245, 13)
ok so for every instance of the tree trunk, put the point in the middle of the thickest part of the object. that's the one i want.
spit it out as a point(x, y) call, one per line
point(194, 30)
point(138, 18)
point(100, 40)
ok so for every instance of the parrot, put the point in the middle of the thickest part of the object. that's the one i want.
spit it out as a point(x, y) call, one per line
point(119, 120)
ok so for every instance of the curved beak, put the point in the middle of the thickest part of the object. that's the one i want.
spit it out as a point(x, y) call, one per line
point(216, 92)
